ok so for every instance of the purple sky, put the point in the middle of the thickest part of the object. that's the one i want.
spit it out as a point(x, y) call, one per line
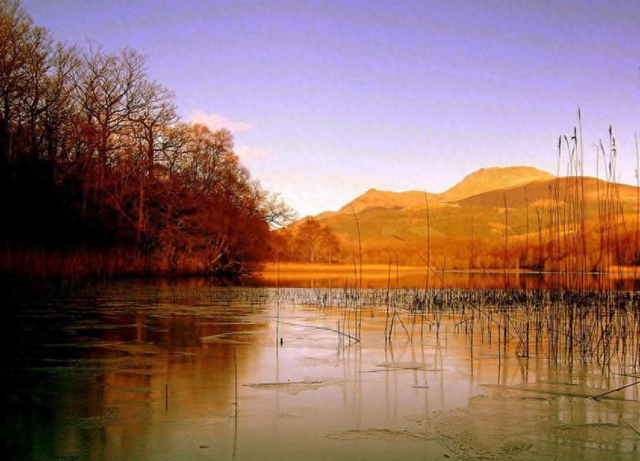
point(330, 98)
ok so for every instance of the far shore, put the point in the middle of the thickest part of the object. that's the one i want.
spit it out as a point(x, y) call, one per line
point(336, 268)
point(340, 268)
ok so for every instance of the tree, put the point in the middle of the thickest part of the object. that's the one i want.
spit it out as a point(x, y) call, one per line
point(24, 53)
point(92, 147)
point(309, 239)
point(330, 246)
point(310, 242)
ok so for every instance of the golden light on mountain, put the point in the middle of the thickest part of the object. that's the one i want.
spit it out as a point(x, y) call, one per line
point(530, 210)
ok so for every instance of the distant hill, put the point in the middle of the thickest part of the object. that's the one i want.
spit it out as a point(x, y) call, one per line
point(471, 216)
point(489, 179)
point(540, 193)
point(480, 182)
point(483, 180)
point(383, 199)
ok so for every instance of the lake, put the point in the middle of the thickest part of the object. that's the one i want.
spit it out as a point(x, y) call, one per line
point(136, 370)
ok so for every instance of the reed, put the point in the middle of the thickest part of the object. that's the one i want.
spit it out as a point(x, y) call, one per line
point(585, 326)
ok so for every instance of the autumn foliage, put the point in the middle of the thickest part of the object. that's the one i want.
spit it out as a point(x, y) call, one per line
point(307, 241)
point(99, 175)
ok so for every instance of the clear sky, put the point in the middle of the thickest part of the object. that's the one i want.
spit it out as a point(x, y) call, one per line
point(330, 98)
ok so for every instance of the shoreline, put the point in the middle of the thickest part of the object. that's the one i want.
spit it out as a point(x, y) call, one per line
point(324, 268)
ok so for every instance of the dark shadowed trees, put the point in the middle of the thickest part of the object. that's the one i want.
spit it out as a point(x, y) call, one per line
point(94, 157)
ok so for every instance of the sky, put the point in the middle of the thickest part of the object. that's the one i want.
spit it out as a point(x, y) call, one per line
point(328, 99)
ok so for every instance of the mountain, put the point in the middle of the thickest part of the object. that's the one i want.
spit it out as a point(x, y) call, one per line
point(482, 181)
point(541, 193)
point(479, 182)
point(384, 199)
point(489, 179)
point(472, 217)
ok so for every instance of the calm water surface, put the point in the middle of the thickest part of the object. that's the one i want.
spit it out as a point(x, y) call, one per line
point(153, 371)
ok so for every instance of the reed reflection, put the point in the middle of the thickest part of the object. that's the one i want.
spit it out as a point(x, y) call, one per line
point(166, 371)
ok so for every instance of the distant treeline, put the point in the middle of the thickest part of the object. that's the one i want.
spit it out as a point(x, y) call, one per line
point(306, 242)
point(99, 176)
point(568, 224)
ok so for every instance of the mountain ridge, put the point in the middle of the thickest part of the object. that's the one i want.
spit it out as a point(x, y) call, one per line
point(495, 178)
point(479, 182)
point(531, 211)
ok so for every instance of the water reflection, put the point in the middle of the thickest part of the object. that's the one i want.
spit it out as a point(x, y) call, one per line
point(381, 277)
point(147, 371)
